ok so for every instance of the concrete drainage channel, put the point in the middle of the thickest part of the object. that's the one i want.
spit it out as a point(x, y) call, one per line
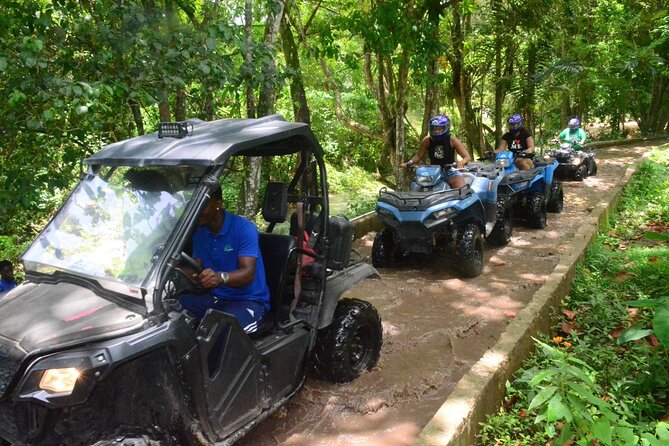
point(481, 390)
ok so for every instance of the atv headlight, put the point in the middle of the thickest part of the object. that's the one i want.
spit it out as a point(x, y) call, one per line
point(63, 379)
point(576, 161)
point(444, 213)
point(425, 180)
point(504, 162)
point(59, 380)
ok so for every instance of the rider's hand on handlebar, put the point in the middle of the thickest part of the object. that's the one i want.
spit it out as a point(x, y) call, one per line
point(460, 164)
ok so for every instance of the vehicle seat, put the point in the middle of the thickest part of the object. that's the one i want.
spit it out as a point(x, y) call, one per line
point(278, 255)
point(279, 258)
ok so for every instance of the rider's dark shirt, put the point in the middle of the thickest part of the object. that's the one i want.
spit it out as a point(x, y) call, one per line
point(441, 153)
point(517, 142)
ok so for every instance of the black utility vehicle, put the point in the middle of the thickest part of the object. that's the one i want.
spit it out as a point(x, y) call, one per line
point(94, 346)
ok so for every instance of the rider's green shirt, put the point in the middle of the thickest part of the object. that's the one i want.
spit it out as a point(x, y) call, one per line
point(569, 136)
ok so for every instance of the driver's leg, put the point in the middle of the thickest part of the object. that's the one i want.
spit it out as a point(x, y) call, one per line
point(248, 313)
point(455, 180)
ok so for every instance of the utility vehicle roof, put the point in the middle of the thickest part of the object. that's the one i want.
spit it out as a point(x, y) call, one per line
point(211, 143)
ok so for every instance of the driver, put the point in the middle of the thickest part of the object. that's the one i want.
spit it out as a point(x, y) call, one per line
point(519, 141)
point(574, 134)
point(441, 146)
point(226, 245)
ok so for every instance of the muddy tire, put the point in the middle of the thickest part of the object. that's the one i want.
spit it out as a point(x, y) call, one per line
point(136, 436)
point(581, 173)
point(469, 251)
point(556, 200)
point(536, 210)
point(501, 232)
point(351, 344)
point(593, 168)
point(384, 251)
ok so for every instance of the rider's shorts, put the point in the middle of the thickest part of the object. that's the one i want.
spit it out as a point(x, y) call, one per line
point(450, 173)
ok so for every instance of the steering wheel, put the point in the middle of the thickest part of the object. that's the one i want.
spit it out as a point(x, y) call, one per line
point(192, 262)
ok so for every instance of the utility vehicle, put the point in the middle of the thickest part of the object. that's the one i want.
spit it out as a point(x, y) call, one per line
point(432, 218)
point(95, 347)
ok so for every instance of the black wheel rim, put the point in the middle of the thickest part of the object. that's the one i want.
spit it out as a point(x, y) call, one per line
point(361, 347)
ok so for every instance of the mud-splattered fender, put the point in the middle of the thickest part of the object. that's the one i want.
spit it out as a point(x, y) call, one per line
point(340, 282)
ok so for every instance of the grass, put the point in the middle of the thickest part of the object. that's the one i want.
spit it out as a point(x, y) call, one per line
point(602, 376)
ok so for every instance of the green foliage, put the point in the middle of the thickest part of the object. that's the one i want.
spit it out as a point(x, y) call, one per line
point(601, 379)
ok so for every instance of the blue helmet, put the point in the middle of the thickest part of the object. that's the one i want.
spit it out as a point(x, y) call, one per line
point(439, 127)
point(515, 122)
point(574, 123)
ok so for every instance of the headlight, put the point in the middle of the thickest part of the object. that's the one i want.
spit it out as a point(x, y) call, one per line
point(63, 379)
point(425, 180)
point(443, 213)
point(59, 380)
point(576, 161)
point(504, 162)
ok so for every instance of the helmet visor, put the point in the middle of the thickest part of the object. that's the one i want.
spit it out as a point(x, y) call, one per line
point(438, 130)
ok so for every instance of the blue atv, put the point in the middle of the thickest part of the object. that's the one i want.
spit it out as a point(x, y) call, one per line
point(532, 192)
point(432, 218)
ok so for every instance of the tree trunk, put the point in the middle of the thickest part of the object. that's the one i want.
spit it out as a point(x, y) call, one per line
point(180, 104)
point(297, 92)
point(164, 107)
point(266, 104)
point(137, 116)
point(531, 84)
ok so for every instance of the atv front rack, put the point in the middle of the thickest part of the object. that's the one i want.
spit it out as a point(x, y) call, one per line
point(422, 200)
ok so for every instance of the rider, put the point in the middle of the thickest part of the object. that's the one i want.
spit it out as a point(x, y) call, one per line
point(573, 134)
point(441, 146)
point(518, 140)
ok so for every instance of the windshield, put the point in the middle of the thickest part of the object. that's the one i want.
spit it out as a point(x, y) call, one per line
point(115, 223)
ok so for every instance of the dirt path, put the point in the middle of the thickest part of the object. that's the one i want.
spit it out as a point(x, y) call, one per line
point(435, 327)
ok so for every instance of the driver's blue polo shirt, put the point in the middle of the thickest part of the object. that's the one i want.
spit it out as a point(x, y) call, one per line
point(237, 238)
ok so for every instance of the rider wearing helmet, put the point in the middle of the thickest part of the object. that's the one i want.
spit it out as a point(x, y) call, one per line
point(573, 134)
point(518, 140)
point(441, 146)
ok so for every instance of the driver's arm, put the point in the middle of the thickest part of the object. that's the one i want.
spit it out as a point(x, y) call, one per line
point(424, 145)
point(238, 278)
point(530, 145)
point(502, 146)
point(460, 148)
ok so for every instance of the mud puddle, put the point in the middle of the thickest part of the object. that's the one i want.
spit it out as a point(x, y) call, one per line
point(436, 327)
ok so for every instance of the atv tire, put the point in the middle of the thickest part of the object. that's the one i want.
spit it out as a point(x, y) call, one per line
point(593, 168)
point(383, 249)
point(136, 436)
point(536, 210)
point(556, 198)
point(581, 173)
point(350, 344)
point(469, 251)
point(501, 232)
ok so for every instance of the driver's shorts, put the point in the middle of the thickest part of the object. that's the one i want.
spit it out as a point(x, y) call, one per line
point(450, 173)
point(248, 313)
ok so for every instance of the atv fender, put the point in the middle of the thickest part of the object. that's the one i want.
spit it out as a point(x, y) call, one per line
point(340, 282)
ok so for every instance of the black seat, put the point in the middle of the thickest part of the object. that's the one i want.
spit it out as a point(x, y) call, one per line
point(278, 254)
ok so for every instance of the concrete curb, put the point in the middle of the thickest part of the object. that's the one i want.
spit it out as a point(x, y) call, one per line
point(482, 389)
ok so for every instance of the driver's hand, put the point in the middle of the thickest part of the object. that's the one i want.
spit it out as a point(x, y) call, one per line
point(460, 164)
point(209, 278)
point(403, 166)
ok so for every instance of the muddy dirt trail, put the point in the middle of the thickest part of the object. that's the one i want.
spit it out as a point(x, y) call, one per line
point(435, 327)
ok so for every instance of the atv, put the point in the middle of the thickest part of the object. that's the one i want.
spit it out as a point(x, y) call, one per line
point(575, 161)
point(95, 348)
point(533, 192)
point(432, 218)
